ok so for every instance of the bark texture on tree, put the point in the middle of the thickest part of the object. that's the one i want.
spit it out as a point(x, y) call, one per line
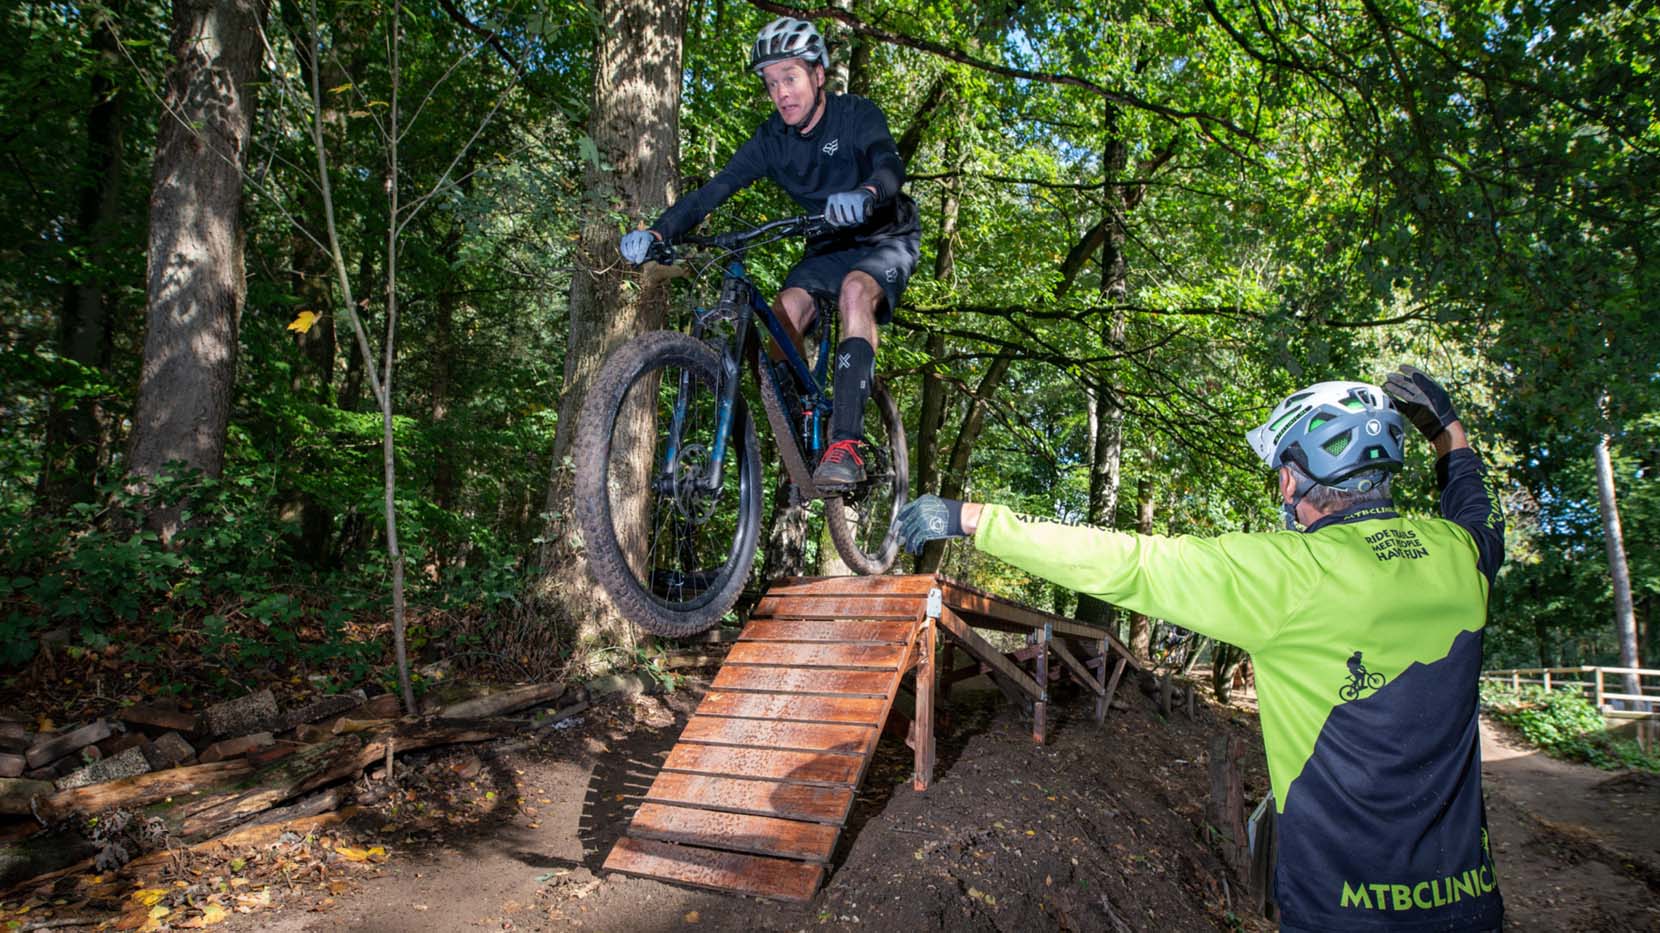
point(1625, 617)
point(635, 126)
point(195, 280)
point(74, 453)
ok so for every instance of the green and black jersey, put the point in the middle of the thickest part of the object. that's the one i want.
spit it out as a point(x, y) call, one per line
point(1366, 633)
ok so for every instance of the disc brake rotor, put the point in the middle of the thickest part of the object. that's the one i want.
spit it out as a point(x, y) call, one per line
point(695, 503)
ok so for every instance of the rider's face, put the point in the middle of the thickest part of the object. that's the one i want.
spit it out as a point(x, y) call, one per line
point(793, 86)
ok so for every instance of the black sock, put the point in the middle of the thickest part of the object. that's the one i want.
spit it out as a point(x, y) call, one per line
point(855, 368)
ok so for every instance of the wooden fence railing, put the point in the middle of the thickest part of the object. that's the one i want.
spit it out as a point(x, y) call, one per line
point(1603, 686)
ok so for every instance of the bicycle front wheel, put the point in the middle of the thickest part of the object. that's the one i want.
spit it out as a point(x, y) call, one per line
point(671, 545)
point(862, 521)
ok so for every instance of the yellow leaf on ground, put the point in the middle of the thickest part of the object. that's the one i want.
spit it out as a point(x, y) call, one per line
point(304, 321)
point(352, 855)
point(149, 897)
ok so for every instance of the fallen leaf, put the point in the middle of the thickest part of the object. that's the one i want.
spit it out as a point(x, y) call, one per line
point(351, 854)
point(692, 917)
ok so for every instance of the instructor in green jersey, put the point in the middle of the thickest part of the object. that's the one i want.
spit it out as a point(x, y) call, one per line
point(1365, 627)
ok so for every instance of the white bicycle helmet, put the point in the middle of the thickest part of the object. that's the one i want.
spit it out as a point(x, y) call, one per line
point(1338, 433)
point(787, 37)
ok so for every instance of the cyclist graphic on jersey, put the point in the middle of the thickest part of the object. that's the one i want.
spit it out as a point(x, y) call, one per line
point(1360, 679)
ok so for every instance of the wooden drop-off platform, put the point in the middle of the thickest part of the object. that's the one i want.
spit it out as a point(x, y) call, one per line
point(753, 796)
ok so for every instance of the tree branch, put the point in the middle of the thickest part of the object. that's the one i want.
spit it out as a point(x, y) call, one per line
point(944, 51)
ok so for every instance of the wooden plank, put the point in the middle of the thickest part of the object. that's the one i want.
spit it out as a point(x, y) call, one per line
point(891, 584)
point(765, 763)
point(1077, 667)
point(735, 832)
point(792, 707)
point(797, 736)
point(780, 879)
point(849, 632)
point(796, 654)
point(982, 650)
point(786, 680)
point(839, 607)
point(761, 798)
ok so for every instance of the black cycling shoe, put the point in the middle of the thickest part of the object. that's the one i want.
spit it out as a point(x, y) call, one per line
point(842, 468)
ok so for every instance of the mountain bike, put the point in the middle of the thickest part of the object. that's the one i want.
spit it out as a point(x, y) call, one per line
point(668, 470)
point(1360, 681)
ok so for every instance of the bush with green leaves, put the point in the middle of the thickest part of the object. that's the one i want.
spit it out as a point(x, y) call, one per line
point(229, 583)
point(1564, 724)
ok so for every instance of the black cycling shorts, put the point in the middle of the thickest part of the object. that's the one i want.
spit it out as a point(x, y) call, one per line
point(890, 261)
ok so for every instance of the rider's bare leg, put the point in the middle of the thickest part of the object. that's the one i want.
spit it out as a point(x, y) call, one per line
point(858, 302)
point(795, 309)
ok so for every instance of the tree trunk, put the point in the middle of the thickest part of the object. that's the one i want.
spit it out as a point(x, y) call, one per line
point(1224, 661)
point(785, 552)
point(73, 453)
point(196, 283)
point(933, 387)
point(634, 124)
point(1625, 618)
point(1141, 640)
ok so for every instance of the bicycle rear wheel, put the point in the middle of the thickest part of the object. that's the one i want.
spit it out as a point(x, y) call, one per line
point(862, 520)
point(672, 549)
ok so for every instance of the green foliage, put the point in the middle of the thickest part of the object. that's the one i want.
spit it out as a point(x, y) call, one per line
point(1564, 724)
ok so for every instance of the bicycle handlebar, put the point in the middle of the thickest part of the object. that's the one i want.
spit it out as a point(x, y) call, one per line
point(806, 225)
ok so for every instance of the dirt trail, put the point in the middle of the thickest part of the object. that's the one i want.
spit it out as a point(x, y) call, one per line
point(1577, 848)
point(1097, 831)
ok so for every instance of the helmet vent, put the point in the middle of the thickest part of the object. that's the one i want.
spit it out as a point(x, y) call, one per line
point(1336, 445)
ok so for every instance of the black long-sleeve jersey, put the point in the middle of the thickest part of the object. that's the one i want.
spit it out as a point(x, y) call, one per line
point(849, 147)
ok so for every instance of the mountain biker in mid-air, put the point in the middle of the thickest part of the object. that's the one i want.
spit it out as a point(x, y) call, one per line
point(834, 155)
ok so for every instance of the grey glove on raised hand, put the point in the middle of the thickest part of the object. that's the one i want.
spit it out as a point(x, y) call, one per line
point(1421, 399)
point(635, 245)
point(848, 208)
point(930, 518)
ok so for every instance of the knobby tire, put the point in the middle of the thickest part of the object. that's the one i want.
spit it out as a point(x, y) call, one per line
point(662, 602)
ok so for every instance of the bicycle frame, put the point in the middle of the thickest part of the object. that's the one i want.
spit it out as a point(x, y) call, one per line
point(741, 302)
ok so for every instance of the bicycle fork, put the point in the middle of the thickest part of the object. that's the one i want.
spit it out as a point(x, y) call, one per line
point(734, 305)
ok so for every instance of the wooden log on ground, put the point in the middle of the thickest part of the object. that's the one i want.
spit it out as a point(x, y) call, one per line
point(503, 702)
point(320, 765)
point(16, 795)
point(42, 854)
point(143, 789)
point(160, 718)
point(50, 748)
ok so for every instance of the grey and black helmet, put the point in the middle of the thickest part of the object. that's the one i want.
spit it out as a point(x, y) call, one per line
point(787, 37)
point(1339, 433)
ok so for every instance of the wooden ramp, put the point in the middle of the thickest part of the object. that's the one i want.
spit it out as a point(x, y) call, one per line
point(753, 796)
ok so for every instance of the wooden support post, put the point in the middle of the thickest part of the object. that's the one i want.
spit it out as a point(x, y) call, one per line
point(1547, 680)
point(1102, 696)
point(1089, 681)
point(1006, 672)
point(1040, 709)
point(925, 690)
point(1599, 688)
point(1117, 672)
